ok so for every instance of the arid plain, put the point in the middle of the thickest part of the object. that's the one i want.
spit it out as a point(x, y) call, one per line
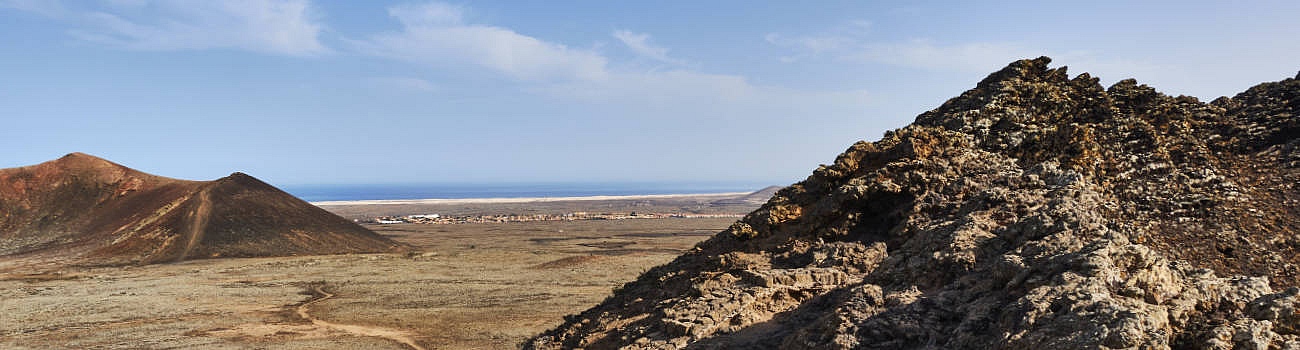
point(464, 286)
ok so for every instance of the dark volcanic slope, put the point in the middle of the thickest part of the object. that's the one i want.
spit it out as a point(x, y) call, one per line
point(86, 210)
point(1035, 211)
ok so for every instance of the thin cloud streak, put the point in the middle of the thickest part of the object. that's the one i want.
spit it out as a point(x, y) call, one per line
point(274, 27)
point(640, 44)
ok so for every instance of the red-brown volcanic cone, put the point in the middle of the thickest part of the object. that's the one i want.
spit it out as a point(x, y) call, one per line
point(86, 210)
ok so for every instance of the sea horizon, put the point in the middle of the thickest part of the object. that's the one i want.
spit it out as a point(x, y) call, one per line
point(361, 192)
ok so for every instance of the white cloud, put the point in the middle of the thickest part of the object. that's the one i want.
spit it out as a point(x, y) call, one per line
point(693, 95)
point(433, 34)
point(284, 27)
point(640, 44)
point(438, 35)
point(840, 37)
point(814, 45)
point(847, 44)
point(924, 54)
point(808, 47)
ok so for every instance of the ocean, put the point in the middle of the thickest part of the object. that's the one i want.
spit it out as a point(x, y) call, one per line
point(318, 193)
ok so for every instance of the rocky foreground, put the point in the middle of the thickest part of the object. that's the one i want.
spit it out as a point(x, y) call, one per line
point(1035, 211)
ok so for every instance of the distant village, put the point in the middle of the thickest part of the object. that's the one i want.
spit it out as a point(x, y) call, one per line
point(575, 216)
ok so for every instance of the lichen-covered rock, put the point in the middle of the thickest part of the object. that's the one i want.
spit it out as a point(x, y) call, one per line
point(1035, 211)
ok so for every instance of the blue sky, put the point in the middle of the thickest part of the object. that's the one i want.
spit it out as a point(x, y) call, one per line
point(333, 92)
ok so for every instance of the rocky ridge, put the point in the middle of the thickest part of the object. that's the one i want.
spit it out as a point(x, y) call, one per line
point(1033, 211)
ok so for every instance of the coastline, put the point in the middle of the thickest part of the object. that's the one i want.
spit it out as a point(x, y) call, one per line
point(524, 199)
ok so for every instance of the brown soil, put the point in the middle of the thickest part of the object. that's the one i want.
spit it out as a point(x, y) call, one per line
point(319, 294)
point(467, 286)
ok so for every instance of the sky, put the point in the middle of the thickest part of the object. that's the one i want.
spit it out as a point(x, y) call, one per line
point(371, 92)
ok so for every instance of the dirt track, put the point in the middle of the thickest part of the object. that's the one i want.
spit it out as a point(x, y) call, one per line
point(360, 330)
point(196, 227)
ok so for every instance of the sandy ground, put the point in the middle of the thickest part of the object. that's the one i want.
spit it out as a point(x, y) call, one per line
point(716, 203)
point(706, 196)
point(471, 286)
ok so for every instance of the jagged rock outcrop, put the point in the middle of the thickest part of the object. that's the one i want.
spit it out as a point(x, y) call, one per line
point(84, 210)
point(1035, 211)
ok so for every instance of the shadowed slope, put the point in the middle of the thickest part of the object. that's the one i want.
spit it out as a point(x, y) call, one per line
point(85, 210)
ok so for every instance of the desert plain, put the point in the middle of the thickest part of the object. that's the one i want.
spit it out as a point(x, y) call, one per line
point(461, 286)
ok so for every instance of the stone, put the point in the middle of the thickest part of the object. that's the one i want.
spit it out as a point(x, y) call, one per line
point(1034, 211)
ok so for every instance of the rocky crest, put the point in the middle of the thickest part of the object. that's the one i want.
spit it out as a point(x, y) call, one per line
point(1035, 211)
point(84, 210)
